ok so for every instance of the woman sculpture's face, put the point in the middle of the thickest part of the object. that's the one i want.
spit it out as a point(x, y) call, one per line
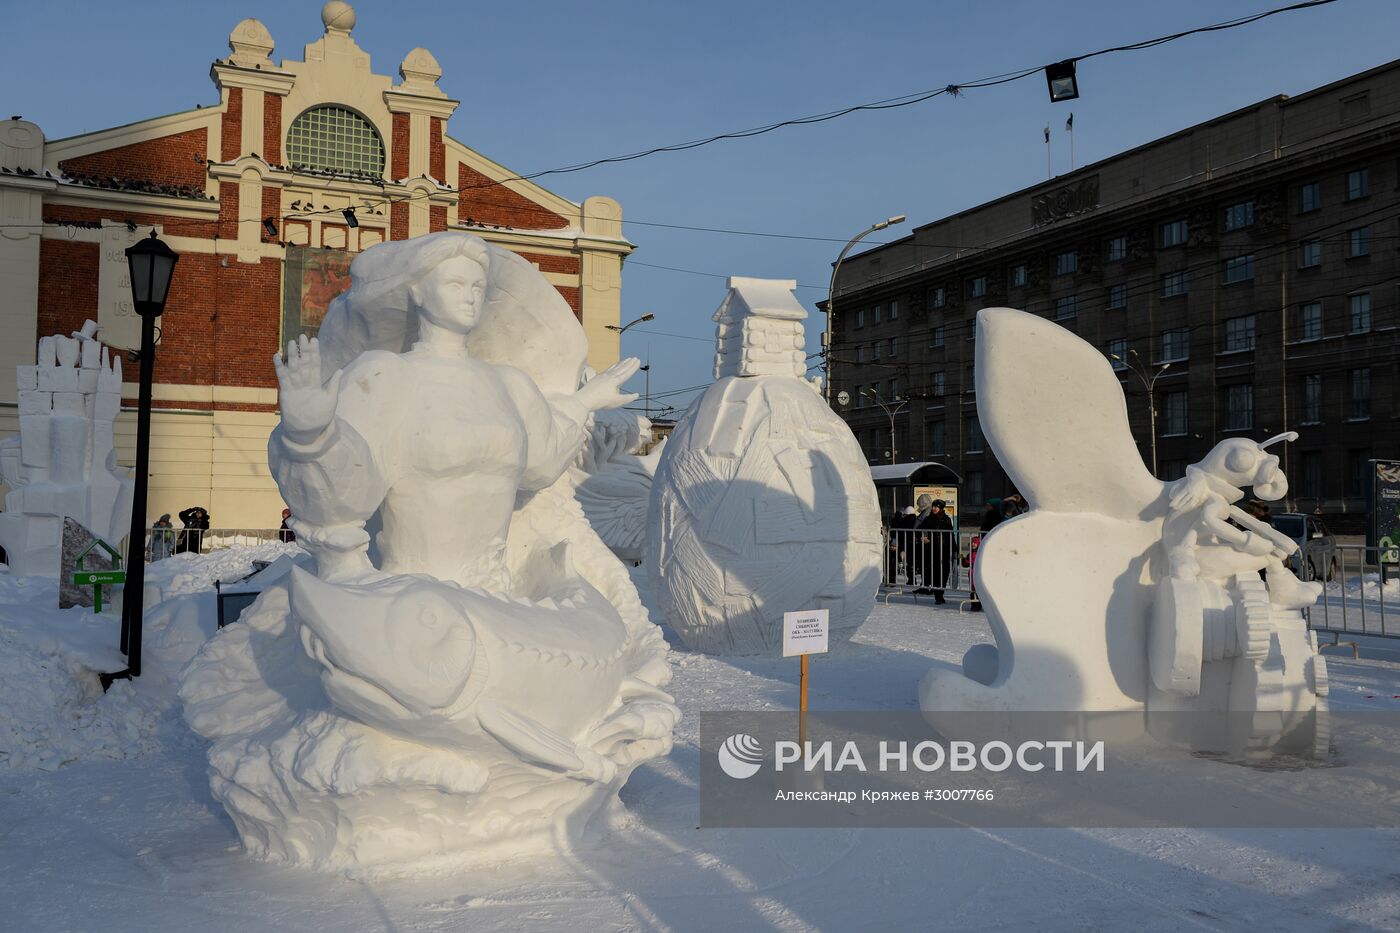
point(450, 295)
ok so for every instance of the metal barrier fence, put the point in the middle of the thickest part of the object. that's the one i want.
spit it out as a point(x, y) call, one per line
point(208, 539)
point(1357, 599)
point(923, 561)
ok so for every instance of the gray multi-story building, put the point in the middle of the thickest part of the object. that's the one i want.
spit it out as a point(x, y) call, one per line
point(1252, 260)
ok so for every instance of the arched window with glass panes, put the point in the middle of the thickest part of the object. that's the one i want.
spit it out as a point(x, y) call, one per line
point(335, 139)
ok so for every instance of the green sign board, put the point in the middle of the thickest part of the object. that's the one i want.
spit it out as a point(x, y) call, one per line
point(89, 577)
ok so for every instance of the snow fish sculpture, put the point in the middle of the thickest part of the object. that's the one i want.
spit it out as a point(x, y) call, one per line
point(479, 677)
point(762, 501)
point(1117, 592)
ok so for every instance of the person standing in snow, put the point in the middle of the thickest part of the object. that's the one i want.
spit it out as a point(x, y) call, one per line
point(196, 522)
point(937, 543)
point(284, 533)
point(162, 538)
point(899, 546)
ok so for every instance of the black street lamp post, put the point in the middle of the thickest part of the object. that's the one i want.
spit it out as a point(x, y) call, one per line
point(151, 264)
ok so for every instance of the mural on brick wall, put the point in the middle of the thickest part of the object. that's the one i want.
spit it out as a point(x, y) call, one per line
point(311, 278)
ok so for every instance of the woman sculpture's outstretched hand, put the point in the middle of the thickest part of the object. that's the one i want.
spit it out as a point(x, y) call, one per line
point(308, 406)
point(605, 389)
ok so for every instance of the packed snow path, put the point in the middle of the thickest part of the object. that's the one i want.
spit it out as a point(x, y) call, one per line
point(138, 844)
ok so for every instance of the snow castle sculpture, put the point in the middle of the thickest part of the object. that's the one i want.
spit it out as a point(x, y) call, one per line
point(762, 502)
point(63, 463)
point(1117, 592)
point(469, 672)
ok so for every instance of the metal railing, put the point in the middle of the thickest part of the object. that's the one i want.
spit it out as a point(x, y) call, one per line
point(922, 561)
point(211, 539)
point(1360, 595)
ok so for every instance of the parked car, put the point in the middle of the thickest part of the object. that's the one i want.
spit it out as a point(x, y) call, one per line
point(1316, 557)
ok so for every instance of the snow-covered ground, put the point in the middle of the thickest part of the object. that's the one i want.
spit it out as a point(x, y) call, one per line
point(107, 822)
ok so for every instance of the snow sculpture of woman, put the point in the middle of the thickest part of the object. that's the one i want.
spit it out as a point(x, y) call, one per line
point(469, 670)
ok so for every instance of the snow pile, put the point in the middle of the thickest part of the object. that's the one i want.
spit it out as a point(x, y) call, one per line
point(1367, 586)
point(185, 573)
point(52, 707)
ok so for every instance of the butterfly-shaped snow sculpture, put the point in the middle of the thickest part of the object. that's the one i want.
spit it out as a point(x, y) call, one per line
point(1117, 592)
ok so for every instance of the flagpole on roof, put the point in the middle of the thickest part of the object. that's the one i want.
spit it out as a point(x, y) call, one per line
point(1049, 172)
point(1069, 128)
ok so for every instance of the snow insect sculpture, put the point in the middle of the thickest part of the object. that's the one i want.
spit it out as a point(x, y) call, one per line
point(63, 463)
point(1121, 593)
point(762, 501)
point(478, 677)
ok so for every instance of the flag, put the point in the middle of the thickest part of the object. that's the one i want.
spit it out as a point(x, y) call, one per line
point(1069, 124)
point(1047, 134)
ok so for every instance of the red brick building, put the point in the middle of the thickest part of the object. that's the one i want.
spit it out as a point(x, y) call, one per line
point(267, 195)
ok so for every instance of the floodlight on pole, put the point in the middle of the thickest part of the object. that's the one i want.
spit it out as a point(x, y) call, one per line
point(1061, 81)
point(831, 298)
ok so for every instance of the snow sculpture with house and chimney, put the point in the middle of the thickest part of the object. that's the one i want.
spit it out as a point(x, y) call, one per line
point(762, 502)
point(1119, 593)
point(63, 463)
point(469, 672)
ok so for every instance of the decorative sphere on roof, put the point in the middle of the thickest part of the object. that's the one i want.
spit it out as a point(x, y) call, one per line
point(337, 14)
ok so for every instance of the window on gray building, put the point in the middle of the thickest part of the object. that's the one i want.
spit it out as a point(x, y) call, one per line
point(1117, 297)
point(860, 353)
point(894, 346)
point(936, 444)
point(1310, 321)
point(937, 297)
point(1360, 307)
point(1018, 275)
point(1174, 422)
point(1175, 233)
point(1309, 197)
point(1239, 407)
point(1311, 401)
point(1117, 353)
point(1358, 184)
point(1311, 486)
point(1117, 249)
point(1239, 269)
point(1175, 284)
point(1066, 307)
point(1239, 333)
point(894, 310)
point(976, 443)
point(935, 336)
point(1239, 216)
point(875, 352)
point(1360, 393)
point(877, 314)
point(937, 385)
point(977, 287)
point(1309, 254)
point(976, 488)
point(1176, 345)
point(1358, 242)
point(1067, 262)
point(1358, 472)
point(860, 317)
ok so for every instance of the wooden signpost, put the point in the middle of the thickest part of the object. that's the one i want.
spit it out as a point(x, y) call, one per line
point(805, 633)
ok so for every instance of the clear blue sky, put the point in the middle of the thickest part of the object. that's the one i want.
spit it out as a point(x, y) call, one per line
point(547, 84)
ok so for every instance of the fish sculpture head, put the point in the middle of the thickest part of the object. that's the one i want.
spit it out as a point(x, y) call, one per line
point(389, 653)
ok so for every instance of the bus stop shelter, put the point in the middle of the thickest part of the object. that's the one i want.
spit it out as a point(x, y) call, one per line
point(900, 484)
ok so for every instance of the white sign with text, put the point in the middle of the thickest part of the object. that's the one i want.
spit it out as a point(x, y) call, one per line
point(805, 632)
